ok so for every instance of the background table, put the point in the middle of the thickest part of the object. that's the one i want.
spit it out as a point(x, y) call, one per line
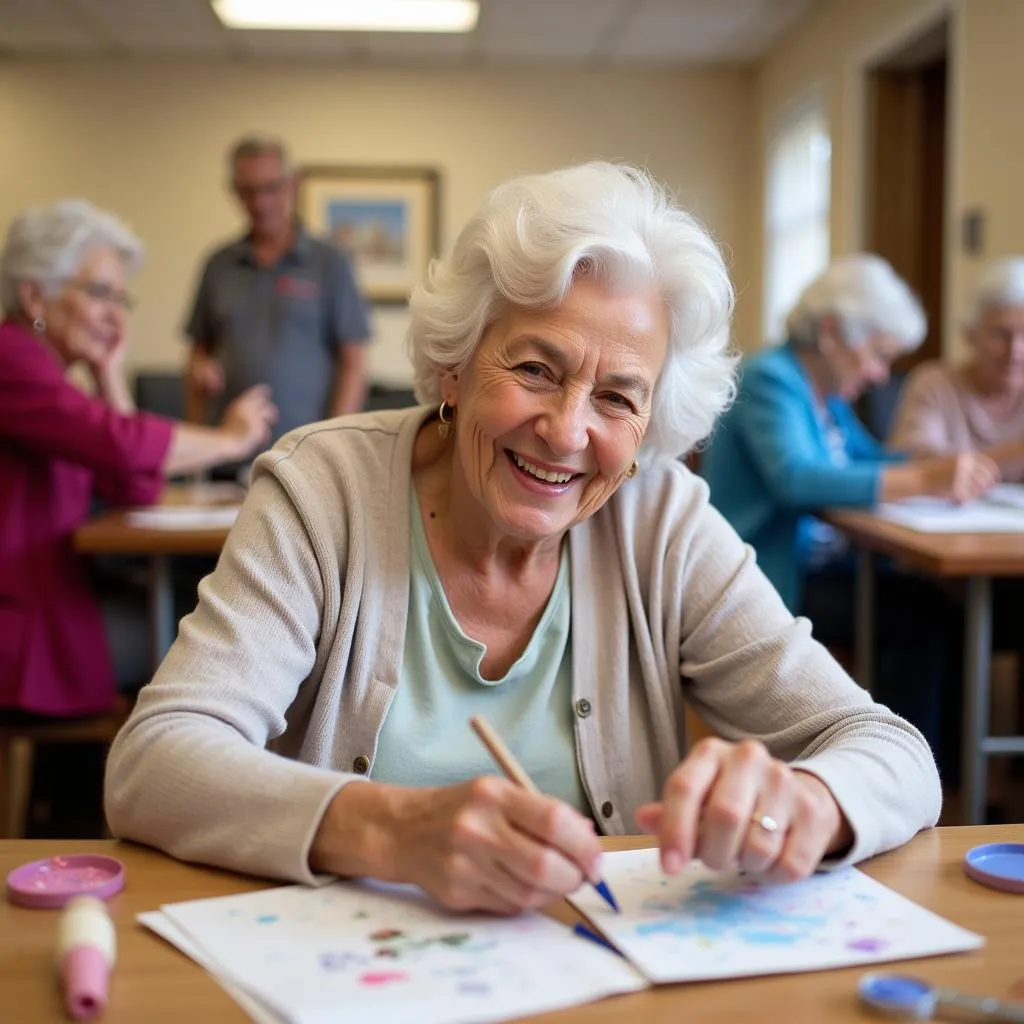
point(974, 557)
point(113, 533)
point(155, 983)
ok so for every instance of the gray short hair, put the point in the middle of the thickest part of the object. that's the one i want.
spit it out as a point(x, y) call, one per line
point(864, 294)
point(260, 145)
point(1000, 283)
point(46, 244)
point(612, 222)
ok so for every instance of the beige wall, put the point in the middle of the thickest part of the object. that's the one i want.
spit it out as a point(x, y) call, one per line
point(990, 158)
point(824, 55)
point(829, 50)
point(147, 140)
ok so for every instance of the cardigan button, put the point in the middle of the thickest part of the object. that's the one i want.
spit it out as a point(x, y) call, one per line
point(583, 707)
point(361, 765)
point(606, 809)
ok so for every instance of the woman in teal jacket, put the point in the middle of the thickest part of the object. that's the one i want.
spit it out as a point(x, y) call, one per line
point(792, 445)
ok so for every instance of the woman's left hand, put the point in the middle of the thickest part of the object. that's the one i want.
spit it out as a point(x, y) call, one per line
point(109, 363)
point(717, 803)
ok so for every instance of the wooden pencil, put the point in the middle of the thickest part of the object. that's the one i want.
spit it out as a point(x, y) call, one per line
point(514, 772)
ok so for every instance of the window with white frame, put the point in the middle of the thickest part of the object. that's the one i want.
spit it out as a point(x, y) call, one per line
point(796, 211)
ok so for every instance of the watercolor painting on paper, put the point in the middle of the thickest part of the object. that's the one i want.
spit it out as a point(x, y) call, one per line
point(388, 953)
point(703, 924)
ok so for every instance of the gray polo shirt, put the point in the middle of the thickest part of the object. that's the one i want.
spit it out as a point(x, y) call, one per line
point(281, 325)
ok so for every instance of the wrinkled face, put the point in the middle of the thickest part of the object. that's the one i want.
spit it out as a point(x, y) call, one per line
point(85, 319)
point(998, 343)
point(266, 193)
point(554, 405)
point(855, 368)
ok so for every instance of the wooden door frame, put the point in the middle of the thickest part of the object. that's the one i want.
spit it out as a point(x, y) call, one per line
point(852, 166)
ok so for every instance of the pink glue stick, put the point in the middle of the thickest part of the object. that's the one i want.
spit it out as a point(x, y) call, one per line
point(86, 949)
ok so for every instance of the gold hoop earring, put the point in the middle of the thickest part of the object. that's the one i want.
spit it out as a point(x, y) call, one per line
point(446, 414)
point(633, 470)
point(39, 325)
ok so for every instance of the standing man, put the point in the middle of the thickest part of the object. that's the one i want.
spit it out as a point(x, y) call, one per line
point(276, 306)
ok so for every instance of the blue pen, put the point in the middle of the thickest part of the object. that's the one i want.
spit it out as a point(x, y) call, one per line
point(586, 933)
point(606, 894)
point(513, 770)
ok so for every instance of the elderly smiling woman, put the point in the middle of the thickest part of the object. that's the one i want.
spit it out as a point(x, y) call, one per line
point(532, 550)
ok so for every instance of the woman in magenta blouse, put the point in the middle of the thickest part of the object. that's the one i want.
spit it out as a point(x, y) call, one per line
point(62, 277)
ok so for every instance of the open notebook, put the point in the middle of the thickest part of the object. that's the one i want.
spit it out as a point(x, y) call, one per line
point(295, 955)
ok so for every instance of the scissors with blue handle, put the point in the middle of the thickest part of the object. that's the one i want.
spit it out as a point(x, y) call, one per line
point(897, 995)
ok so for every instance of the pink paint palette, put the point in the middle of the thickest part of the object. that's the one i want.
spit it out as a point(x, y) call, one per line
point(49, 884)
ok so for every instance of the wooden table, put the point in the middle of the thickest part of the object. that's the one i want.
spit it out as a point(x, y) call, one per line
point(155, 983)
point(112, 533)
point(975, 558)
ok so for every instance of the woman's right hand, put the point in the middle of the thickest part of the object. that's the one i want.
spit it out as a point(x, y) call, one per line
point(205, 373)
point(961, 477)
point(486, 844)
point(248, 419)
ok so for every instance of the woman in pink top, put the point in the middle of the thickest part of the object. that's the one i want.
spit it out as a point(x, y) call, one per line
point(978, 406)
point(62, 277)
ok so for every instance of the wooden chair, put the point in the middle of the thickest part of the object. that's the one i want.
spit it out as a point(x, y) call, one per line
point(17, 755)
point(696, 728)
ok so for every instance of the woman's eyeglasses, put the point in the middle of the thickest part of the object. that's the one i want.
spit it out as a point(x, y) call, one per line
point(103, 293)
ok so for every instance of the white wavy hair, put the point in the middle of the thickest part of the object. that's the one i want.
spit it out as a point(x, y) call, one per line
point(46, 244)
point(614, 223)
point(1000, 283)
point(865, 295)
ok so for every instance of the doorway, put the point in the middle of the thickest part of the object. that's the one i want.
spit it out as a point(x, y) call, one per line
point(906, 173)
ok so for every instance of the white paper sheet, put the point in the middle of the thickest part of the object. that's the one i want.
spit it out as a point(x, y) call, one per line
point(929, 515)
point(156, 921)
point(701, 925)
point(390, 954)
point(1010, 495)
point(184, 517)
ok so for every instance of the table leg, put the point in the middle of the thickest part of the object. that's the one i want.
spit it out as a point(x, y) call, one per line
point(865, 620)
point(161, 608)
point(977, 681)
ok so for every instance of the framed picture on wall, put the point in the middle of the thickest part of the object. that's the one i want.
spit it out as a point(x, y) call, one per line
point(385, 218)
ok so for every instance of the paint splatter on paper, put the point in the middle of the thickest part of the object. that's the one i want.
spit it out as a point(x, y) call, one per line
point(388, 953)
point(382, 977)
point(704, 924)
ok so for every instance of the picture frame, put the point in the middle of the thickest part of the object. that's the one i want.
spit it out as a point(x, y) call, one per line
point(387, 220)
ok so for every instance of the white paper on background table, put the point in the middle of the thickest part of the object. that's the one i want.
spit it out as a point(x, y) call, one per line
point(184, 517)
point(1001, 513)
point(702, 924)
point(1010, 495)
point(388, 953)
point(213, 492)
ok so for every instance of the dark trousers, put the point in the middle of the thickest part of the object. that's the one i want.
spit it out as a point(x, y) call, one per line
point(918, 668)
point(1008, 623)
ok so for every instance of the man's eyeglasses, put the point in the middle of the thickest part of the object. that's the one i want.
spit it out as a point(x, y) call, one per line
point(1004, 335)
point(103, 293)
point(266, 188)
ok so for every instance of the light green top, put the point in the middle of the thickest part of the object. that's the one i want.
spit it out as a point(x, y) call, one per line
point(273, 696)
point(426, 739)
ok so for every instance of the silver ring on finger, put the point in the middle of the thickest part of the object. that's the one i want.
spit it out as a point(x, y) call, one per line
point(765, 822)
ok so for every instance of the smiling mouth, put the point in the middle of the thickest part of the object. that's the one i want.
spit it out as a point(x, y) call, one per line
point(535, 472)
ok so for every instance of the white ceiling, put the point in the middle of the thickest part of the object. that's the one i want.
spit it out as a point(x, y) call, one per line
point(509, 31)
